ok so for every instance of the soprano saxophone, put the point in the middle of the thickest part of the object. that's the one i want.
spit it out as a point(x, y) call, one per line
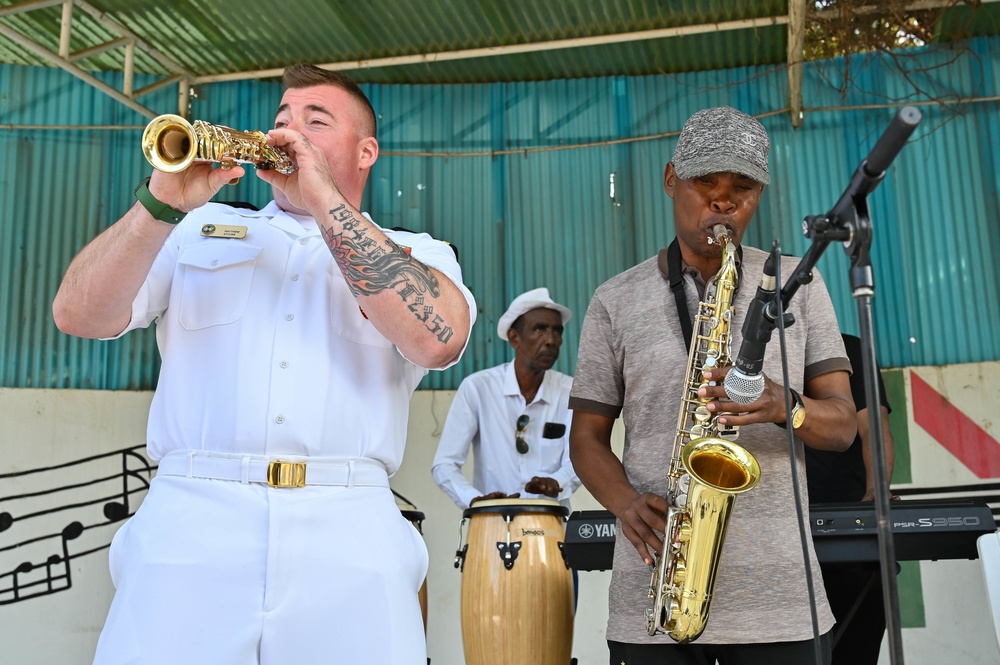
point(707, 471)
point(171, 144)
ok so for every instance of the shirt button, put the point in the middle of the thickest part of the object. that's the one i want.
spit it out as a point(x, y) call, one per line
point(215, 262)
point(289, 317)
point(279, 419)
point(295, 277)
point(283, 364)
point(303, 241)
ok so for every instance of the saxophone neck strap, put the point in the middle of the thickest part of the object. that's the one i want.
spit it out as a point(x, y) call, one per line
point(676, 279)
point(675, 276)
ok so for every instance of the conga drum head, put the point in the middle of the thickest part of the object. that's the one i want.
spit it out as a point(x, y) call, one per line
point(517, 592)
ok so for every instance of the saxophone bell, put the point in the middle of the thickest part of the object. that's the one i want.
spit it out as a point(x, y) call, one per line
point(171, 144)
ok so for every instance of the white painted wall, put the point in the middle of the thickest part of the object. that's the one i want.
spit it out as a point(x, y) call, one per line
point(47, 427)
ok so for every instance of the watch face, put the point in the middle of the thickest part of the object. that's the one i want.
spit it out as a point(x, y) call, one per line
point(798, 416)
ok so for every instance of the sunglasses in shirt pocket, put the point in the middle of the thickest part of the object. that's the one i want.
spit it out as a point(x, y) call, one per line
point(553, 430)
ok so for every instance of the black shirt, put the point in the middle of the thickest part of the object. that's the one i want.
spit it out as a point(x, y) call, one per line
point(834, 477)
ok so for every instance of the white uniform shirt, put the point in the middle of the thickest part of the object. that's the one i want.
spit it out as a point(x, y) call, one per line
point(265, 350)
point(484, 416)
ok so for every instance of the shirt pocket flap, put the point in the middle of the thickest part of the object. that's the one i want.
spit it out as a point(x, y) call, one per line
point(216, 255)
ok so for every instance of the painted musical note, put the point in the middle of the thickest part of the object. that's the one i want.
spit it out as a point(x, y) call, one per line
point(52, 581)
point(34, 501)
point(116, 511)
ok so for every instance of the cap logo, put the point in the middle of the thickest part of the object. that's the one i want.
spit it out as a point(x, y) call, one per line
point(747, 139)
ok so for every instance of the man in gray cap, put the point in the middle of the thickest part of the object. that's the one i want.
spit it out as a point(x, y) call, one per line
point(514, 416)
point(633, 362)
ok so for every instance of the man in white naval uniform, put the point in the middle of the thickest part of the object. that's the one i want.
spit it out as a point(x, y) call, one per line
point(292, 339)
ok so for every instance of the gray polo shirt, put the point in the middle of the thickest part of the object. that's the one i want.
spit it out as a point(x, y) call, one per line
point(632, 362)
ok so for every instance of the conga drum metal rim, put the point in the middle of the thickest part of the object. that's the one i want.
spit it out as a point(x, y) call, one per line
point(513, 507)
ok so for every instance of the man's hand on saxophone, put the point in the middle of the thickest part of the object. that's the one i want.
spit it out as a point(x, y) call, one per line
point(194, 186)
point(827, 399)
point(643, 519)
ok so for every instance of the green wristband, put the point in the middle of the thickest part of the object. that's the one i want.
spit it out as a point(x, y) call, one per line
point(157, 208)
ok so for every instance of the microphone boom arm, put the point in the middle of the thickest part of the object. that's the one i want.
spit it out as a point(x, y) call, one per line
point(849, 222)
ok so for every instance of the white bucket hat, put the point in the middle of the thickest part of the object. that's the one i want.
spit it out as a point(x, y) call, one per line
point(525, 303)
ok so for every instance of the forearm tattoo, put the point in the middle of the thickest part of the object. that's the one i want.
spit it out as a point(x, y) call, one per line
point(371, 268)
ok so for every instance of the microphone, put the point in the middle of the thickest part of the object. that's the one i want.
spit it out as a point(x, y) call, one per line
point(745, 381)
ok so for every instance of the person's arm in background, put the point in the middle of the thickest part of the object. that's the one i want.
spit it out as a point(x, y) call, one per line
point(460, 428)
point(866, 450)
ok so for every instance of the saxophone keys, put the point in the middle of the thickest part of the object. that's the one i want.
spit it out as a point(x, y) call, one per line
point(729, 433)
point(680, 574)
point(683, 533)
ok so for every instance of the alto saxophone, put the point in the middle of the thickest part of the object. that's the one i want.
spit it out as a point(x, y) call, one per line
point(707, 471)
point(171, 144)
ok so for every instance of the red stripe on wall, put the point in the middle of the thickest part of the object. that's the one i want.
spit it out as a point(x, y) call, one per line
point(959, 434)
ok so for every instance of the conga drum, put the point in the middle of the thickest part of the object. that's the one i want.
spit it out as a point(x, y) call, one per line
point(517, 593)
point(416, 518)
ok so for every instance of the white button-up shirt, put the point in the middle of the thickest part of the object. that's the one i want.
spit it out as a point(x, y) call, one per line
point(484, 416)
point(265, 350)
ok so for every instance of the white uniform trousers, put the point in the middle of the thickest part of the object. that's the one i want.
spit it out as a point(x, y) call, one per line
point(219, 572)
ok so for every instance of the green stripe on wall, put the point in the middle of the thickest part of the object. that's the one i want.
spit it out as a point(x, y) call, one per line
point(908, 581)
point(911, 595)
point(895, 391)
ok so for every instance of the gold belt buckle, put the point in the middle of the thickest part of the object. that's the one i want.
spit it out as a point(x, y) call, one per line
point(286, 474)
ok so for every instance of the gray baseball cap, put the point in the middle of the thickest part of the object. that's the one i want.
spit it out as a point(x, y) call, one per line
point(722, 139)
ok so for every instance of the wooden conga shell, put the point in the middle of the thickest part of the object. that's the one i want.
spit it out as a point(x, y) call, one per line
point(416, 518)
point(522, 613)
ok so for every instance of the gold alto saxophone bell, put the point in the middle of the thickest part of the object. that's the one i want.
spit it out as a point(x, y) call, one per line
point(171, 144)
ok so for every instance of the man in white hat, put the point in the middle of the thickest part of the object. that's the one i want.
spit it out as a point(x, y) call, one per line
point(514, 416)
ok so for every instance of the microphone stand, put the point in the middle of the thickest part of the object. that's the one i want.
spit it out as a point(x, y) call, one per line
point(849, 222)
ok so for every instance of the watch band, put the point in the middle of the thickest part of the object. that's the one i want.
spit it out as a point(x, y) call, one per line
point(157, 208)
point(798, 408)
point(797, 403)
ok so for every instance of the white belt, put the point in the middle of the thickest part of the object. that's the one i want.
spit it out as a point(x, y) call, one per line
point(275, 471)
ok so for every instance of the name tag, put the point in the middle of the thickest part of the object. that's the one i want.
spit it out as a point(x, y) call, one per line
point(223, 231)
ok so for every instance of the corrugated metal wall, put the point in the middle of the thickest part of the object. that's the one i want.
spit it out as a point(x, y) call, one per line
point(524, 213)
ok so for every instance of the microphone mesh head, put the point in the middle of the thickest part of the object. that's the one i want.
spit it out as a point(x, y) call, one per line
point(743, 389)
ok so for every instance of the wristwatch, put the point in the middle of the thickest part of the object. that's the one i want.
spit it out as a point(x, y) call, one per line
point(798, 409)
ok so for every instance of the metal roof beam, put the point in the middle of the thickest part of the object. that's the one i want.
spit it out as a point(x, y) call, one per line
point(162, 83)
point(97, 49)
point(64, 59)
point(31, 5)
point(68, 66)
point(493, 51)
point(148, 48)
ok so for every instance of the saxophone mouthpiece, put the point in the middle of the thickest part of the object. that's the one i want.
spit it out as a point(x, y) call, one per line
point(718, 232)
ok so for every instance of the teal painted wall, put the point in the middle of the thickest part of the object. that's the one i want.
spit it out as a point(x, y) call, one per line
point(518, 177)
